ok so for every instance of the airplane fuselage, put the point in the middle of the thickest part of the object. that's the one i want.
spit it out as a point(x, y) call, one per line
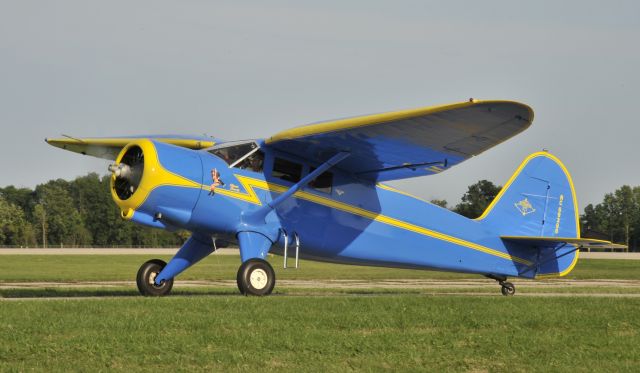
point(354, 221)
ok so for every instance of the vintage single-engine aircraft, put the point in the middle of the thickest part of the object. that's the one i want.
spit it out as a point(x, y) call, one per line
point(318, 188)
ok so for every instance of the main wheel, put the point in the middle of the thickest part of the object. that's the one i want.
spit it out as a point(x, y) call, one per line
point(146, 279)
point(239, 282)
point(508, 289)
point(256, 277)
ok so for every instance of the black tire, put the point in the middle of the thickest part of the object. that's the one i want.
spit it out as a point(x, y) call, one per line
point(508, 289)
point(256, 277)
point(241, 287)
point(146, 276)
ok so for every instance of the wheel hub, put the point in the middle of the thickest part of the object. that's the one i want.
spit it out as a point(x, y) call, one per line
point(152, 278)
point(258, 279)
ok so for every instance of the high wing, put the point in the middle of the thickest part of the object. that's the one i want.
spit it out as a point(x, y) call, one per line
point(108, 148)
point(556, 241)
point(408, 143)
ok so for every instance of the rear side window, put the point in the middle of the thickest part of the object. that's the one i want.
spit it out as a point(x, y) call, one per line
point(323, 182)
point(286, 170)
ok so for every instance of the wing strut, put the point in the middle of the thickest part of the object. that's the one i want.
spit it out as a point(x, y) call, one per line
point(255, 235)
point(262, 212)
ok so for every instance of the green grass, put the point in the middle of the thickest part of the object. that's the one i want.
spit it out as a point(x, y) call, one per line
point(215, 329)
point(223, 267)
point(606, 269)
point(284, 333)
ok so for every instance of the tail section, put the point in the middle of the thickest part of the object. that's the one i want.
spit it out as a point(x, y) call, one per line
point(539, 200)
point(537, 210)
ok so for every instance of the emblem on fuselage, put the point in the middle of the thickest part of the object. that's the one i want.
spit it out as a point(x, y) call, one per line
point(524, 207)
point(216, 181)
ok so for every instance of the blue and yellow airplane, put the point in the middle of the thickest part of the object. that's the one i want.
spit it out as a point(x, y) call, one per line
point(319, 189)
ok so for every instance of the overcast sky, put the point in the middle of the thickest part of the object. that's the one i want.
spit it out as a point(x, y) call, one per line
point(238, 70)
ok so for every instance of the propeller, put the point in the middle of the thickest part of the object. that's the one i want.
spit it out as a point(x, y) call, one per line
point(128, 172)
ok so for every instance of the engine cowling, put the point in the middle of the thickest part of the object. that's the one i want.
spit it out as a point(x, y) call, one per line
point(156, 184)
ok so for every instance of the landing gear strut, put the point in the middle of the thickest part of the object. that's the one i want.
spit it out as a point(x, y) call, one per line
point(506, 288)
point(146, 279)
point(256, 277)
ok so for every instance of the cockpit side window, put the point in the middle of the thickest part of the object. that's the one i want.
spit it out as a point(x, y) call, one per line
point(286, 170)
point(322, 182)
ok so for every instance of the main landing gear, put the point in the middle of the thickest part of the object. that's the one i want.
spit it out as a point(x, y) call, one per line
point(146, 279)
point(506, 288)
point(256, 277)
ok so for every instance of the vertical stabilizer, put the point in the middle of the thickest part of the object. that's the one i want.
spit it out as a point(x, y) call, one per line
point(539, 200)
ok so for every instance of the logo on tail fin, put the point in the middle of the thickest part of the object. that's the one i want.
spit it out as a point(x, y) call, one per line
point(524, 207)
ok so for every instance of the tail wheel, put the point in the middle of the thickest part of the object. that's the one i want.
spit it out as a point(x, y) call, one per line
point(256, 277)
point(508, 288)
point(146, 279)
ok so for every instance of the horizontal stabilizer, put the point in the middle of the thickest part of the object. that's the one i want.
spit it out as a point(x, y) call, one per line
point(557, 241)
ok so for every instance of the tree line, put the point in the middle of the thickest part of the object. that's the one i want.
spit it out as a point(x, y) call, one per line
point(76, 213)
point(81, 213)
point(616, 218)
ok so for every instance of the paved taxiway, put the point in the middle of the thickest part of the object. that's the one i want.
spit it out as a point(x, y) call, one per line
point(424, 286)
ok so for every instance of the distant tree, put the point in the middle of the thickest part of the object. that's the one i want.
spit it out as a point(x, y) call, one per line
point(617, 216)
point(477, 199)
point(101, 216)
point(39, 214)
point(440, 202)
point(14, 228)
point(21, 197)
point(60, 222)
point(626, 208)
point(91, 197)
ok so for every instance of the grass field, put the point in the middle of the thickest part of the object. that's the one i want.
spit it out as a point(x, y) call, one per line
point(224, 267)
point(215, 329)
point(387, 332)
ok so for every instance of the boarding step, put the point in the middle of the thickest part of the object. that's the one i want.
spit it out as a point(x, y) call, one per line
point(296, 240)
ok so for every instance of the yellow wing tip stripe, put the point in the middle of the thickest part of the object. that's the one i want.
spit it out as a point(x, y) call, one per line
point(365, 120)
point(250, 196)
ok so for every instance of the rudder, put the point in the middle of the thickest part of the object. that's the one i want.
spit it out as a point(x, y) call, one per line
point(538, 200)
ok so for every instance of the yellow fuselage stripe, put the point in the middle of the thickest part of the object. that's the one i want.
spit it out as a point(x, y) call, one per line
point(250, 196)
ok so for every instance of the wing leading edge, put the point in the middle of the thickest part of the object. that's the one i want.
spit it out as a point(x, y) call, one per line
point(108, 148)
point(408, 143)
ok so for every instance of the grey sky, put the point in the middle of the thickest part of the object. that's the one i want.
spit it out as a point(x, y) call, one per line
point(248, 70)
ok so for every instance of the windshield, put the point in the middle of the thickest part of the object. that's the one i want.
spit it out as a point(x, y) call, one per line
point(231, 153)
point(246, 155)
